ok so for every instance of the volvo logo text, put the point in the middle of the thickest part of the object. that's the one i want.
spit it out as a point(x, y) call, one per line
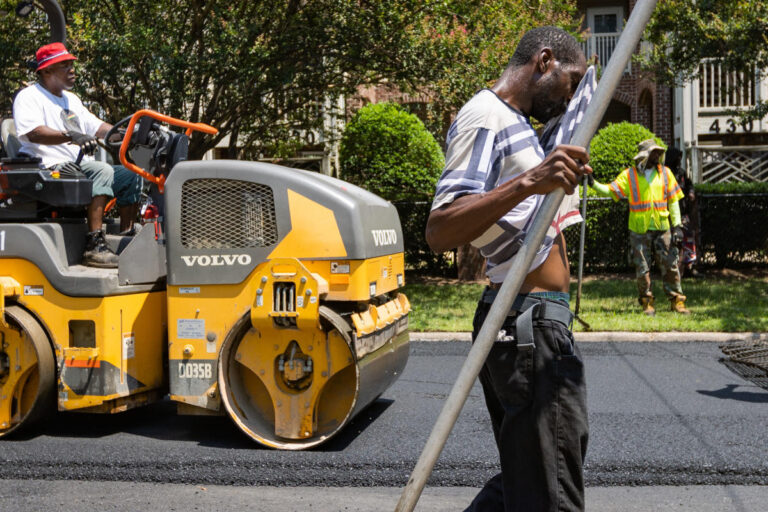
point(217, 260)
point(384, 237)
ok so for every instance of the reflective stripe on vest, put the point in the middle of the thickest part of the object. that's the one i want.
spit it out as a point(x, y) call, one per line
point(616, 190)
point(635, 204)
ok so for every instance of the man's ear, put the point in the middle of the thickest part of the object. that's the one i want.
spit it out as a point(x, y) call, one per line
point(546, 58)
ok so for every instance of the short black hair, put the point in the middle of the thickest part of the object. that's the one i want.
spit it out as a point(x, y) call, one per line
point(564, 46)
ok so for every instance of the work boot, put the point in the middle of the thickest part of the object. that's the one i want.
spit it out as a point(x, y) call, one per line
point(97, 253)
point(647, 304)
point(132, 231)
point(677, 304)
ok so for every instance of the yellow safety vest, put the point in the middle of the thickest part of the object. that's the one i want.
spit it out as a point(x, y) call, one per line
point(647, 201)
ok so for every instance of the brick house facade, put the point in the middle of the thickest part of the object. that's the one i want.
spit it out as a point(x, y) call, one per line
point(638, 99)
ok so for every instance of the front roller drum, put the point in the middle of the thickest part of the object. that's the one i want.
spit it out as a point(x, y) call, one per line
point(27, 372)
point(285, 393)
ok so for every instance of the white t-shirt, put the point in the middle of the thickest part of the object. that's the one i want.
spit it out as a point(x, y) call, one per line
point(36, 106)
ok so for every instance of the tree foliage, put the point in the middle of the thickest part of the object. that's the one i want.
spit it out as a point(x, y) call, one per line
point(733, 33)
point(388, 151)
point(19, 38)
point(614, 147)
point(261, 71)
point(472, 46)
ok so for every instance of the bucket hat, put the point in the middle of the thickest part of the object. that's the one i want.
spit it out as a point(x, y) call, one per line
point(645, 148)
point(51, 54)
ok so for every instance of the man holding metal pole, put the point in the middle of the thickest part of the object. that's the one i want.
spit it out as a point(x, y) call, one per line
point(495, 177)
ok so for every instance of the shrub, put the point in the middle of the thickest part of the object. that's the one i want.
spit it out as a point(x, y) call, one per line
point(732, 188)
point(389, 152)
point(613, 148)
point(419, 257)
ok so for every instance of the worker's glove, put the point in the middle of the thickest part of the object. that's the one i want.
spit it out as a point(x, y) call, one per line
point(86, 142)
point(677, 235)
point(71, 170)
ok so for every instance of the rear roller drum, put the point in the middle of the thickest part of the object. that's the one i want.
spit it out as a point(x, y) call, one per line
point(289, 389)
point(27, 372)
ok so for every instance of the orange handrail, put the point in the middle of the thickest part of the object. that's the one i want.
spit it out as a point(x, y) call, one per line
point(157, 180)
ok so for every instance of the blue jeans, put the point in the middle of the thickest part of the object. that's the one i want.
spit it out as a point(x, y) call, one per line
point(537, 402)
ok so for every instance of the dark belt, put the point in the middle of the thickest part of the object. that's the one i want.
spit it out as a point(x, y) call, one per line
point(525, 308)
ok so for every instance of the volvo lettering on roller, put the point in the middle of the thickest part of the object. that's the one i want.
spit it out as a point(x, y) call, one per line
point(217, 260)
point(383, 237)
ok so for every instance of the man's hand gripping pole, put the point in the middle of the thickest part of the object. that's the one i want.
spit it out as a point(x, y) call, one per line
point(625, 46)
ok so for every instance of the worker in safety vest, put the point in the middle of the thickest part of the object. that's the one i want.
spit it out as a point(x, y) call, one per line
point(653, 195)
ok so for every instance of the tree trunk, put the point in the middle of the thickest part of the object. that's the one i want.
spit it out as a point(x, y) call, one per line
point(470, 263)
point(233, 153)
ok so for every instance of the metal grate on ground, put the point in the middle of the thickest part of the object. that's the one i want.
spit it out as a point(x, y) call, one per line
point(748, 359)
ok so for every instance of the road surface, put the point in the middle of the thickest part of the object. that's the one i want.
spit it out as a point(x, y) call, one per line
point(670, 428)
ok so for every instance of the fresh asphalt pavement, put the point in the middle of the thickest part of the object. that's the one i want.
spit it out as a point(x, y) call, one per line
point(671, 428)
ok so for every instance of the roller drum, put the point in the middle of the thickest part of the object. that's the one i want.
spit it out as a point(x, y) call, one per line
point(27, 372)
point(302, 410)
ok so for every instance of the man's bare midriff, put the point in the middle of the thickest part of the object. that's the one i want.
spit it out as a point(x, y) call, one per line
point(553, 275)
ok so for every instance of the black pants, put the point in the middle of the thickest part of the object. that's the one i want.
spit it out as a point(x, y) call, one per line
point(537, 402)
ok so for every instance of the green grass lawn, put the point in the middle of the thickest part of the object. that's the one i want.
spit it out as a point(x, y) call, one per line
point(718, 302)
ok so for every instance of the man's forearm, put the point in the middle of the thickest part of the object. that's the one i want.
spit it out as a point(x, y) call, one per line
point(675, 219)
point(47, 136)
point(601, 189)
point(103, 129)
point(468, 217)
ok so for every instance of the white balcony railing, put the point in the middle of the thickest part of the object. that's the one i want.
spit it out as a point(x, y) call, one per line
point(729, 164)
point(720, 89)
point(602, 45)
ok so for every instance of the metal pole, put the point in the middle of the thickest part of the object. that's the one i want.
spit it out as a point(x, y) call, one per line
point(625, 46)
point(56, 20)
point(582, 236)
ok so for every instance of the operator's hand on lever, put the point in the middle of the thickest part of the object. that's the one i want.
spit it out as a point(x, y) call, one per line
point(87, 143)
point(562, 168)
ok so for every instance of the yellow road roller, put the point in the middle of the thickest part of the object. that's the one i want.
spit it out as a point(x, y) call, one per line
point(266, 293)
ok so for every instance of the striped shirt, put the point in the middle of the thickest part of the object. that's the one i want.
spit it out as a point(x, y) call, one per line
point(488, 144)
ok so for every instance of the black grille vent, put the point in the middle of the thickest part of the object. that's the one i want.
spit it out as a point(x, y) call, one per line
point(231, 214)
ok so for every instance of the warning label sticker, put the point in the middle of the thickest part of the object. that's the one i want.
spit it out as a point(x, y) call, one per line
point(33, 290)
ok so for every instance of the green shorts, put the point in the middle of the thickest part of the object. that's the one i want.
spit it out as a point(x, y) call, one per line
point(115, 181)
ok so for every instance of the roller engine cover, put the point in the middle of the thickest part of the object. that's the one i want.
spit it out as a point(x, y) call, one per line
point(231, 216)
